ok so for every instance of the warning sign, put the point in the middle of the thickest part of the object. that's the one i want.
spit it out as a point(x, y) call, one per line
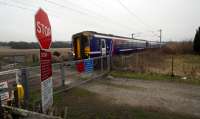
point(46, 80)
point(47, 94)
point(3, 91)
point(45, 64)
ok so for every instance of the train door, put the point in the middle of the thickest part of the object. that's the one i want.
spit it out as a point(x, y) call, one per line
point(77, 48)
point(103, 47)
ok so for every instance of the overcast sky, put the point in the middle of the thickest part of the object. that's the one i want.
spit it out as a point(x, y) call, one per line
point(177, 18)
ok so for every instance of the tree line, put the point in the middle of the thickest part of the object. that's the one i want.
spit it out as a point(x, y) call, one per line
point(33, 45)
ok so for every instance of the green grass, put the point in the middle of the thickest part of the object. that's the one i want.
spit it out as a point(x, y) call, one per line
point(153, 76)
point(34, 98)
point(83, 104)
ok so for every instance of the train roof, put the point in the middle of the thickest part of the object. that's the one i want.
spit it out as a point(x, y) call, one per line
point(108, 35)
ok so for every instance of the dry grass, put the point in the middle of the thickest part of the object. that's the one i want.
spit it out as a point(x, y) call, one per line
point(31, 56)
point(185, 47)
point(8, 51)
point(160, 62)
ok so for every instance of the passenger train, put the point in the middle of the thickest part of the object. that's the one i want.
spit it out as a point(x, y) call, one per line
point(88, 44)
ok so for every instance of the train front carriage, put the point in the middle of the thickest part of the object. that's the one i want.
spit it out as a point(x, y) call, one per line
point(89, 44)
point(81, 46)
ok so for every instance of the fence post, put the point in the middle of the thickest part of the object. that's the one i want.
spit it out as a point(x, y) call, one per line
point(172, 73)
point(65, 114)
point(101, 63)
point(108, 62)
point(111, 62)
point(62, 71)
point(25, 84)
point(1, 110)
point(16, 101)
point(122, 60)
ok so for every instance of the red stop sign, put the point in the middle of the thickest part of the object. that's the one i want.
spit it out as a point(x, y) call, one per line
point(43, 29)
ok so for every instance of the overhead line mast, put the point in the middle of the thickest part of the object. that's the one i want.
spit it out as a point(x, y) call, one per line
point(160, 36)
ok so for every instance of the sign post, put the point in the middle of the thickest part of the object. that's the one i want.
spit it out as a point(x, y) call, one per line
point(43, 34)
point(46, 80)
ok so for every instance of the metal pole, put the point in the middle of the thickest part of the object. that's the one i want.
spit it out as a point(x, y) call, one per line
point(16, 101)
point(160, 36)
point(65, 114)
point(25, 84)
point(1, 110)
point(132, 35)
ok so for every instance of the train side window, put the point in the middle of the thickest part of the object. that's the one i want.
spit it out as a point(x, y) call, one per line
point(103, 43)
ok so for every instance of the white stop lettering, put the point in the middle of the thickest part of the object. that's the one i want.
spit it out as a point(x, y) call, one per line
point(41, 28)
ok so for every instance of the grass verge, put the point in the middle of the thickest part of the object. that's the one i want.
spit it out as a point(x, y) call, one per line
point(153, 76)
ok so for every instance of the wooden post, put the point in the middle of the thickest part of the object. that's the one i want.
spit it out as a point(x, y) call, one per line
point(101, 63)
point(111, 61)
point(172, 73)
point(108, 62)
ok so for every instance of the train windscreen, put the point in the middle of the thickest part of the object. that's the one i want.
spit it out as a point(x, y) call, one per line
point(81, 47)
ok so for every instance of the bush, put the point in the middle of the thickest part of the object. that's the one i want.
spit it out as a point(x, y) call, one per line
point(196, 45)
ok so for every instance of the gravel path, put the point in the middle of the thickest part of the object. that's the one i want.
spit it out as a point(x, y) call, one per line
point(176, 97)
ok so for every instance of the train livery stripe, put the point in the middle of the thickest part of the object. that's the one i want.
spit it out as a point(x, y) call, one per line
point(117, 38)
point(95, 52)
point(122, 50)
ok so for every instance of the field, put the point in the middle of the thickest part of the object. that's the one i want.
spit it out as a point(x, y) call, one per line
point(8, 51)
point(15, 58)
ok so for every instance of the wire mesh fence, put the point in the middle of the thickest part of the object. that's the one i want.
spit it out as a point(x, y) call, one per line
point(65, 75)
point(185, 66)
